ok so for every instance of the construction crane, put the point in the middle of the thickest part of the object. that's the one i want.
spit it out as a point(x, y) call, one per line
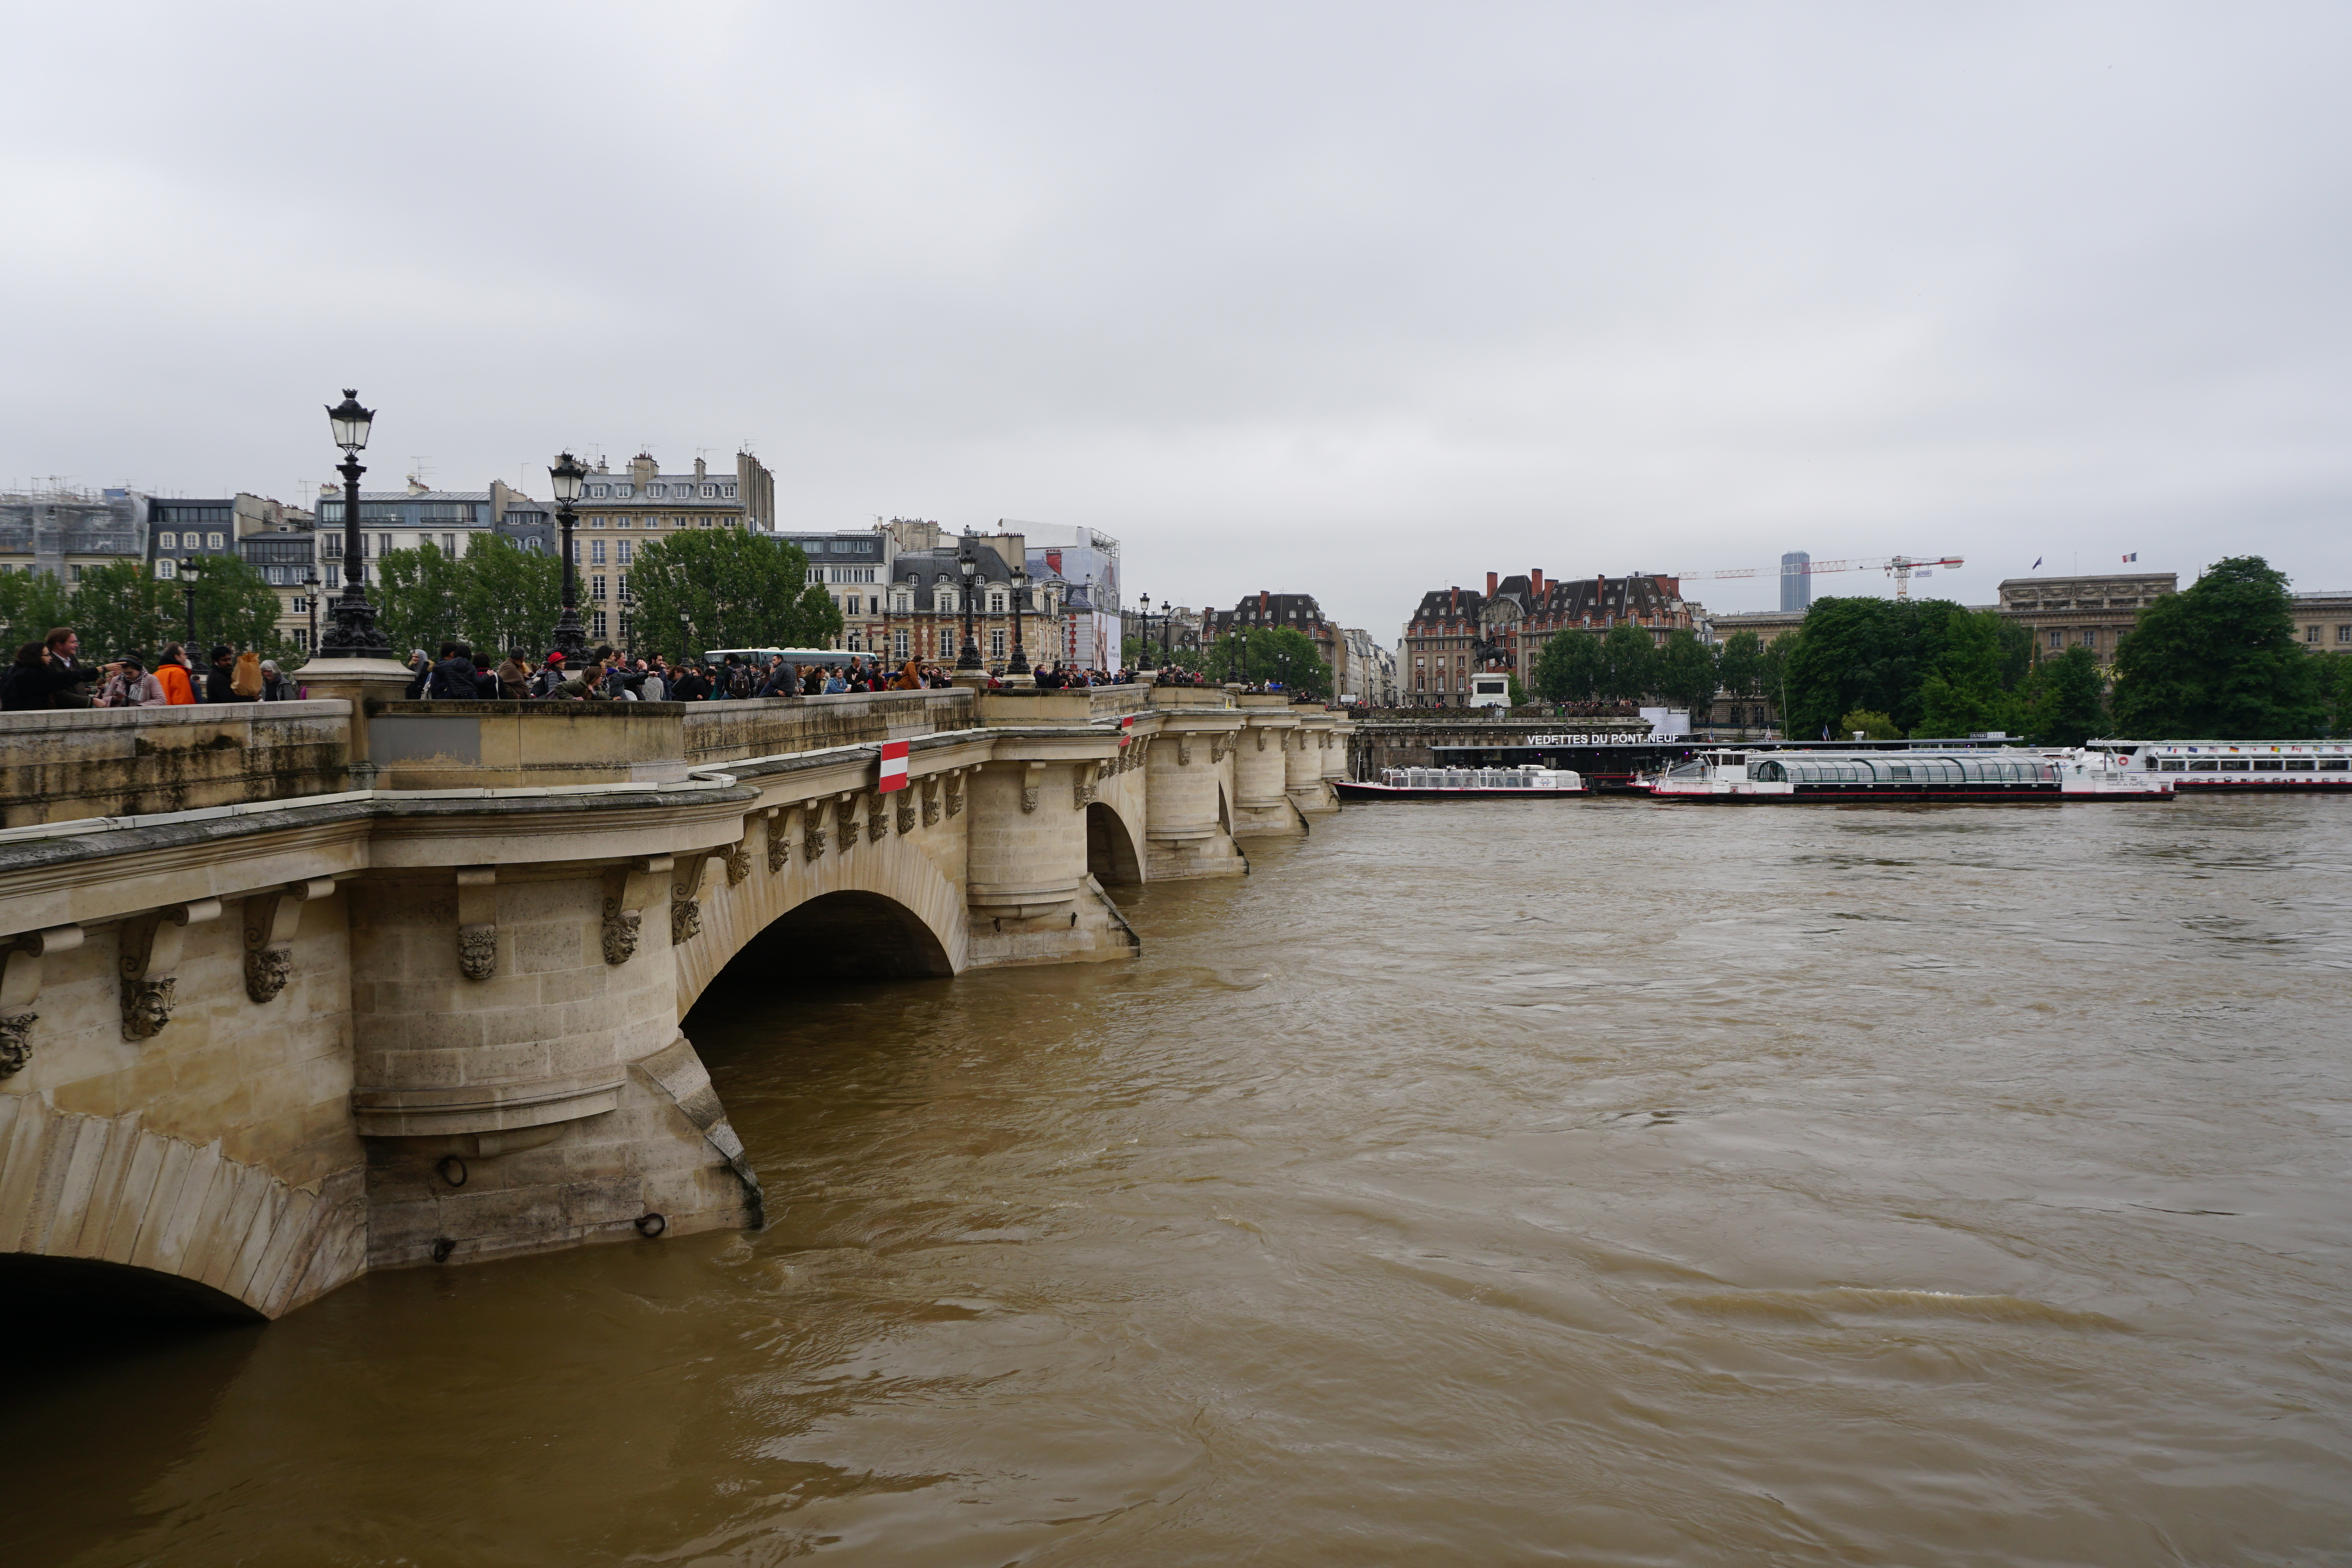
point(1900, 567)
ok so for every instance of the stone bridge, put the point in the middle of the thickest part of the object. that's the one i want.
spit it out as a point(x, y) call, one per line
point(296, 990)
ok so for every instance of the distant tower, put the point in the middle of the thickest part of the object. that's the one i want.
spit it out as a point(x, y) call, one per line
point(1797, 580)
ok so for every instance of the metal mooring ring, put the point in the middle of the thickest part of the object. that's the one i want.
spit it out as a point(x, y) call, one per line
point(451, 1169)
point(651, 1225)
point(442, 1248)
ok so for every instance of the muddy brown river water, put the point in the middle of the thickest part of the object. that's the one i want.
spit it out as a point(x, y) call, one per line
point(1591, 1182)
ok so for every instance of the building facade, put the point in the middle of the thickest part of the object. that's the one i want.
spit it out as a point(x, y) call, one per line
point(1455, 632)
point(619, 513)
point(1370, 680)
point(926, 596)
point(1296, 612)
point(1081, 567)
point(1796, 581)
point(2091, 612)
point(62, 531)
point(853, 565)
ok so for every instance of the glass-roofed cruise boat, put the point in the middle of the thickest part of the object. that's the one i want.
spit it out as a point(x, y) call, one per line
point(1992, 776)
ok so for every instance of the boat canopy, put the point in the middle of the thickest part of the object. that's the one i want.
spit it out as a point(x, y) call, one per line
point(1897, 767)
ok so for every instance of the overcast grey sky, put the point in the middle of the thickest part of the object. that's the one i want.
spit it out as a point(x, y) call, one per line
point(1352, 300)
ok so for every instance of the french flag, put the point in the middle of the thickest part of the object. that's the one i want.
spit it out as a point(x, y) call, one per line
point(894, 765)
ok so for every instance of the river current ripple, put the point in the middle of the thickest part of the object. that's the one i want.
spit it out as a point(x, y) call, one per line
point(1594, 1182)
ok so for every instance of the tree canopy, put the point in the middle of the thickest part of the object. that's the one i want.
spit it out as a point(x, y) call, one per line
point(1685, 673)
point(1275, 654)
point(737, 589)
point(2219, 661)
point(1568, 670)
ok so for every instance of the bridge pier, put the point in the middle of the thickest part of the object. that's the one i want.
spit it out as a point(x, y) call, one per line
point(500, 1092)
point(1188, 809)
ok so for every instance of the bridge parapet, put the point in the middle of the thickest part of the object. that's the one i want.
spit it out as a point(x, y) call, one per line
point(509, 744)
point(67, 765)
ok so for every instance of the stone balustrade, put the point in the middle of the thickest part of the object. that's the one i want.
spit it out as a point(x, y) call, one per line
point(63, 765)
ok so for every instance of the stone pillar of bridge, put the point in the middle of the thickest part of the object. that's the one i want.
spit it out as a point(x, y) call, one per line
point(1027, 891)
point(1188, 821)
point(1303, 764)
point(519, 1079)
point(1262, 803)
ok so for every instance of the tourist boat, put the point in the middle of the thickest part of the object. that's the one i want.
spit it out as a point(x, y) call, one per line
point(2214, 767)
point(1463, 783)
point(1992, 776)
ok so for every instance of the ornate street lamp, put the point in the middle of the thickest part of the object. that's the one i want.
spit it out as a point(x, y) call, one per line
point(568, 477)
point(1020, 665)
point(190, 569)
point(685, 635)
point(310, 584)
point(354, 634)
point(970, 658)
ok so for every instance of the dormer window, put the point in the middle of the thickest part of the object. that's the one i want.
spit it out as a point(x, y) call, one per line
point(596, 489)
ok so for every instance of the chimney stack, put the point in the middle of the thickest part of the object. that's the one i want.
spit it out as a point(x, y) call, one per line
point(1492, 579)
point(1535, 581)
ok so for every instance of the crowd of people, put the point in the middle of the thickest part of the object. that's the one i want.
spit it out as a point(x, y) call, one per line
point(605, 675)
point(52, 674)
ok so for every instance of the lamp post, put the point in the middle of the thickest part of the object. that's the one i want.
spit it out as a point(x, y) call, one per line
point(354, 634)
point(1241, 640)
point(685, 635)
point(190, 570)
point(970, 658)
point(568, 477)
point(1020, 665)
point(310, 583)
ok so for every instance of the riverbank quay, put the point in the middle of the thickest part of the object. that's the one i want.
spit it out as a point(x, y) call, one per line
point(297, 990)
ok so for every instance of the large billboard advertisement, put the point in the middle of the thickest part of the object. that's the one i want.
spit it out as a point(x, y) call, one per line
point(1086, 562)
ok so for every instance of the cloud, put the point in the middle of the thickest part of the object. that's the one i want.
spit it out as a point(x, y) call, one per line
point(1355, 301)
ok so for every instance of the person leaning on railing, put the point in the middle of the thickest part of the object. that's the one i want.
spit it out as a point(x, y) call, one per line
point(128, 685)
point(36, 679)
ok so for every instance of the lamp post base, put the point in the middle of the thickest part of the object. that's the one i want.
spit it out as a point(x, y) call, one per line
point(569, 638)
point(352, 635)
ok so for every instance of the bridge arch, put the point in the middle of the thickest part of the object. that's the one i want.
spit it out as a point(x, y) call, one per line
point(882, 909)
point(852, 934)
point(1114, 854)
point(112, 1215)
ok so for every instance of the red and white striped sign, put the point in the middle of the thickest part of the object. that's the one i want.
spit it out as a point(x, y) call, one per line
point(1125, 723)
point(894, 765)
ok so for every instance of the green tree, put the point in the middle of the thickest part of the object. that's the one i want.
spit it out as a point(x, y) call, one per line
point(2336, 680)
point(1772, 673)
point(1869, 726)
point(415, 596)
point(1687, 675)
point(1275, 655)
point(2219, 661)
point(32, 605)
point(1629, 663)
point(1739, 664)
point(1569, 668)
point(235, 605)
point(1878, 655)
point(508, 597)
point(2066, 699)
point(738, 589)
point(119, 608)
point(1965, 693)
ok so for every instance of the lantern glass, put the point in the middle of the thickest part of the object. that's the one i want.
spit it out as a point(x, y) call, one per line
point(349, 422)
point(568, 477)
